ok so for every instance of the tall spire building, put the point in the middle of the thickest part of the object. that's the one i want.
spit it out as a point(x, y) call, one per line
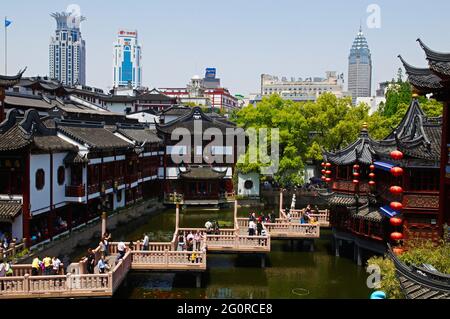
point(67, 54)
point(127, 60)
point(360, 68)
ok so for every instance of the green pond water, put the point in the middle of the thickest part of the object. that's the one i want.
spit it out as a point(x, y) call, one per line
point(292, 270)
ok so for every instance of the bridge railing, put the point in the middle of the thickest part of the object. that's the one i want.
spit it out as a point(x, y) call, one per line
point(169, 258)
point(63, 285)
point(298, 230)
point(13, 249)
point(238, 242)
point(120, 271)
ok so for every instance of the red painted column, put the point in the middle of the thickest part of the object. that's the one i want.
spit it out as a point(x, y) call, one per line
point(26, 215)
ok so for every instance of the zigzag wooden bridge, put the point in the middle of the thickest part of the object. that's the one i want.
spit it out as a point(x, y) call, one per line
point(161, 257)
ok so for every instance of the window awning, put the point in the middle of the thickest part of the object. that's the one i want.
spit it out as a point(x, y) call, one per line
point(387, 211)
point(383, 166)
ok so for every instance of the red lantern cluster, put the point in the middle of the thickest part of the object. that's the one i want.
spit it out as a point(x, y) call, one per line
point(372, 176)
point(397, 171)
point(396, 236)
point(395, 221)
point(396, 205)
point(326, 172)
point(396, 155)
point(356, 174)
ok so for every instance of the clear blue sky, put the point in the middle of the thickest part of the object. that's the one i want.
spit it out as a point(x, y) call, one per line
point(241, 38)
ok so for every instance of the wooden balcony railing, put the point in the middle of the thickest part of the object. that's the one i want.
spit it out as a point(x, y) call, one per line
point(349, 187)
point(76, 191)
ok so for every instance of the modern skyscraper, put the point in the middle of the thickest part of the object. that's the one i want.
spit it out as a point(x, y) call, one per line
point(127, 60)
point(360, 68)
point(67, 50)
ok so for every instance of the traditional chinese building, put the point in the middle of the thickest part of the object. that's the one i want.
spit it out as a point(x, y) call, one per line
point(360, 202)
point(58, 174)
point(192, 167)
point(435, 80)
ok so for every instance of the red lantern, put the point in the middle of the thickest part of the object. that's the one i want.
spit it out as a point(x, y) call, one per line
point(356, 167)
point(328, 165)
point(396, 236)
point(323, 164)
point(372, 183)
point(396, 206)
point(396, 190)
point(355, 181)
point(395, 221)
point(396, 155)
point(372, 175)
point(328, 172)
point(328, 180)
point(356, 174)
point(324, 172)
point(324, 178)
point(398, 250)
point(372, 167)
point(397, 171)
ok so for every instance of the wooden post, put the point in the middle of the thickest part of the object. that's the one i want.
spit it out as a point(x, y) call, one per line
point(177, 216)
point(198, 280)
point(263, 261)
point(104, 217)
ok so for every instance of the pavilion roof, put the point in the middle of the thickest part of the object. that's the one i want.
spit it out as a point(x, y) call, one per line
point(11, 80)
point(202, 173)
point(189, 120)
point(9, 210)
point(360, 151)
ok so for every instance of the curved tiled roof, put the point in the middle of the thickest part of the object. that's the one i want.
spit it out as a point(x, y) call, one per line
point(202, 173)
point(96, 137)
point(368, 213)
point(11, 80)
point(190, 120)
point(15, 138)
point(361, 151)
point(140, 135)
point(9, 210)
point(439, 62)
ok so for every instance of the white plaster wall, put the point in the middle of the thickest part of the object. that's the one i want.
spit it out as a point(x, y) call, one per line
point(59, 191)
point(118, 204)
point(39, 199)
point(17, 227)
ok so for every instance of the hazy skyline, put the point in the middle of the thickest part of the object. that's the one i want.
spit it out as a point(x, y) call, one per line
point(242, 39)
